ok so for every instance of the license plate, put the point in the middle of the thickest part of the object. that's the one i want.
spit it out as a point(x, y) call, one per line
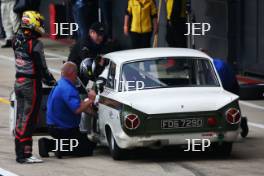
point(181, 123)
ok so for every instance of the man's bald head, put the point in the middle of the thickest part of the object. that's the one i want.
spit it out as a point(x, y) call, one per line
point(69, 70)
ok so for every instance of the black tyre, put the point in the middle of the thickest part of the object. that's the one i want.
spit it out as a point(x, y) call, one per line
point(116, 152)
point(222, 150)
point(244, 127)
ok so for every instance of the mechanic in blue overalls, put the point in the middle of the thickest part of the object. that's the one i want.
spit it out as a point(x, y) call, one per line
point(227, 76)
point(64, 108)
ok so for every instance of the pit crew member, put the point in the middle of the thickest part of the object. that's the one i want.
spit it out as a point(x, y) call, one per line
point(64, 110)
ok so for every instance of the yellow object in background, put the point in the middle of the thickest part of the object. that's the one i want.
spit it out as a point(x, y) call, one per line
point(142, 12)
point(5, 101)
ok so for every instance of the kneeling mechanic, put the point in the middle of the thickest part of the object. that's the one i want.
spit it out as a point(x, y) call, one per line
point(64, 110)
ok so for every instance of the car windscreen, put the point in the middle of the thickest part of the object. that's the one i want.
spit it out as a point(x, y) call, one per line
point(168, 72)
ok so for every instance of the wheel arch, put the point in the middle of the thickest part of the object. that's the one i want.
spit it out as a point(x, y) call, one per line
point(108, 131)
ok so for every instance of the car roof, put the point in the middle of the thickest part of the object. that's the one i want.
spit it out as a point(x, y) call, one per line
point(120, 57)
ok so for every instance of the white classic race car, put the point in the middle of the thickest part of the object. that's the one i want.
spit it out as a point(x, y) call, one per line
point(163, 96)
point(159, 97)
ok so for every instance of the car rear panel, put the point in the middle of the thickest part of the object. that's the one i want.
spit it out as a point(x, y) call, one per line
point(176, 123)
point(156, 124)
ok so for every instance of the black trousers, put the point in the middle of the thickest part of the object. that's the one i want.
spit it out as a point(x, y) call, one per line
point(140, 40)
point(85, 16)
point(175, 33)
point(106, 12)
point(85, 146)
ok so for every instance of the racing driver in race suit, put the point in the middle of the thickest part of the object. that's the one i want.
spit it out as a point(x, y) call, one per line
point(31, 71)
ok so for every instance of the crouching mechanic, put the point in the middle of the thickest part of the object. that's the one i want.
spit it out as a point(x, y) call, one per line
point(64, 110)
point(31, 71)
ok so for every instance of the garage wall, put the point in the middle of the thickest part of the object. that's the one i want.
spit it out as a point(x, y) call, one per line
point(252, 44)
point(214, 12)
point(237, 33)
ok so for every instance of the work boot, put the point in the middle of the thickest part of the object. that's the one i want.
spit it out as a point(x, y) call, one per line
point(43, 145)
point(19, 152)
point(8, 44)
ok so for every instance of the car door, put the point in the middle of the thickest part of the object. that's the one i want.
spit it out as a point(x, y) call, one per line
point(105, 110)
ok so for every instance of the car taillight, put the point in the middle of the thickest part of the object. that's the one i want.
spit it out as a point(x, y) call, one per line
point(132, 121)
point(233, 116)
point(211, 121)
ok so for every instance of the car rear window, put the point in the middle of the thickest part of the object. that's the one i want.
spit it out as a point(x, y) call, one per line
point(168, 72)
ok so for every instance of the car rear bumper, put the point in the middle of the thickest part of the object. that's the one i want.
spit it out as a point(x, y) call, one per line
point(126, 142)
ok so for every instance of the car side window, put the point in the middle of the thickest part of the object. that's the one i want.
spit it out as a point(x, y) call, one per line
point(110, 83)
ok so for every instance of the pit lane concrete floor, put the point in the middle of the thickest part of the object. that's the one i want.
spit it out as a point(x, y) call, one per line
point(247, 158)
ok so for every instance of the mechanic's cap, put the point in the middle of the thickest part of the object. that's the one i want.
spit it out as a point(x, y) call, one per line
point(98, 28)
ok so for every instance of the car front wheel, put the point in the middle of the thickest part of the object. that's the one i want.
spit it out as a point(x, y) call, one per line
point(116, 152)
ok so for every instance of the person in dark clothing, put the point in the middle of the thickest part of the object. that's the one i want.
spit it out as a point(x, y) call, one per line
point(31, 71)
point(91, 48)
point(64, 110)
point(106, 15)
point(85, 13)
point(26, 5)
point(176, 19)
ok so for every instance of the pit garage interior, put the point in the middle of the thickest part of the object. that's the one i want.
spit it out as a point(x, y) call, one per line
point(236, 35)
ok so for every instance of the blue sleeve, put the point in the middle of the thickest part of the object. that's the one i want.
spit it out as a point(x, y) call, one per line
point(72, 99)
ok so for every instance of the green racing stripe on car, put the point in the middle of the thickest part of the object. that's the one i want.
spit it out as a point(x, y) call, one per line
point(110, 103)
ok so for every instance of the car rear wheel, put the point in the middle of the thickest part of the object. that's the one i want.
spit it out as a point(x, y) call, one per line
point(222, 150)
point(116, 152)
point(244, 127)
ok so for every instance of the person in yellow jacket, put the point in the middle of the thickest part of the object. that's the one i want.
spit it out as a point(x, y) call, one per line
point(176, 19)
point(140, 21)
